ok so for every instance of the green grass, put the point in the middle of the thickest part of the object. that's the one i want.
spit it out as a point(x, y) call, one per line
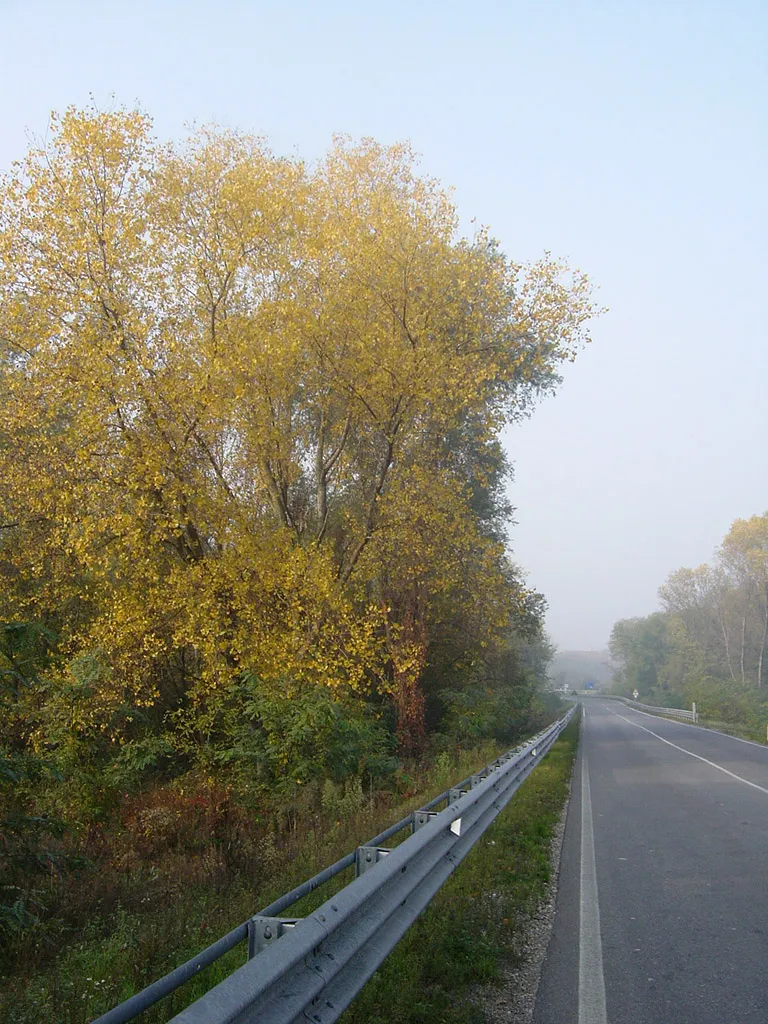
point(744, 731)
point(458, 942)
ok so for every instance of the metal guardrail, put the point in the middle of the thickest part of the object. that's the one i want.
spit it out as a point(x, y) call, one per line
point(680, 713)
point(311, 968)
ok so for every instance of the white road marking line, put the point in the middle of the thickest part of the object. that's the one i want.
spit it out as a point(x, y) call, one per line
point(703, 728)
point(690, 725)
point(591, 979)
point(690, 753)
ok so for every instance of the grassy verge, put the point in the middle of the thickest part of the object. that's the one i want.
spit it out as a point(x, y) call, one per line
point(474, 922)
point(169, 921)
point(166, 912)
point(740, 730)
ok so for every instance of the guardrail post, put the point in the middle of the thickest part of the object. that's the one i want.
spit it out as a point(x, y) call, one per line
point(264, 930)
point(367, 857)
point(420, 818)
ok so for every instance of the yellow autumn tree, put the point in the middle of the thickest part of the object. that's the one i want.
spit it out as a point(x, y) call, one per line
point(744, 557)
point(227, 387)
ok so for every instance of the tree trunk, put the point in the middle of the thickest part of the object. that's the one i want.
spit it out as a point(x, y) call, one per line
point(410, 706)
point(764, 643)
point(743, 645)
point(408, 648)
point(321, 478)
point(726, 643)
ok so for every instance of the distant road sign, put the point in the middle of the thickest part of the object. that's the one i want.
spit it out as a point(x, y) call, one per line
point(589, 686)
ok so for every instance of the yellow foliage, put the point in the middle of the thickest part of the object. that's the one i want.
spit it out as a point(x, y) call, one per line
point(224, 383)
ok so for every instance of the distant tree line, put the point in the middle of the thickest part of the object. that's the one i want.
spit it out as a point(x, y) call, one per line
point(710, 642)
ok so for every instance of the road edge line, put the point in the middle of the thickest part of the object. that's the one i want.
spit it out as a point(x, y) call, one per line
point(591, 978)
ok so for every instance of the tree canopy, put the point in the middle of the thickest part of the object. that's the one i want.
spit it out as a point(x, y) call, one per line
point(710, 641)
point(249, 418)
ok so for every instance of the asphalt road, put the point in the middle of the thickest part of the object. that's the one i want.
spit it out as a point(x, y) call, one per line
point(662, 907)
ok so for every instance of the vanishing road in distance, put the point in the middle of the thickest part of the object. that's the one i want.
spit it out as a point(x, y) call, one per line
point(662, 906)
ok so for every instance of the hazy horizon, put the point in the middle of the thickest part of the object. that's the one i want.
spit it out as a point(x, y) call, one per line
point(630, 139)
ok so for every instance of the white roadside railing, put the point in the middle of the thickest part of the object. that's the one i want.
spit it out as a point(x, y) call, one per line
point(680, 713)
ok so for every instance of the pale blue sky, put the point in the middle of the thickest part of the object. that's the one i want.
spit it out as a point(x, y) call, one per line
point(629, 137)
